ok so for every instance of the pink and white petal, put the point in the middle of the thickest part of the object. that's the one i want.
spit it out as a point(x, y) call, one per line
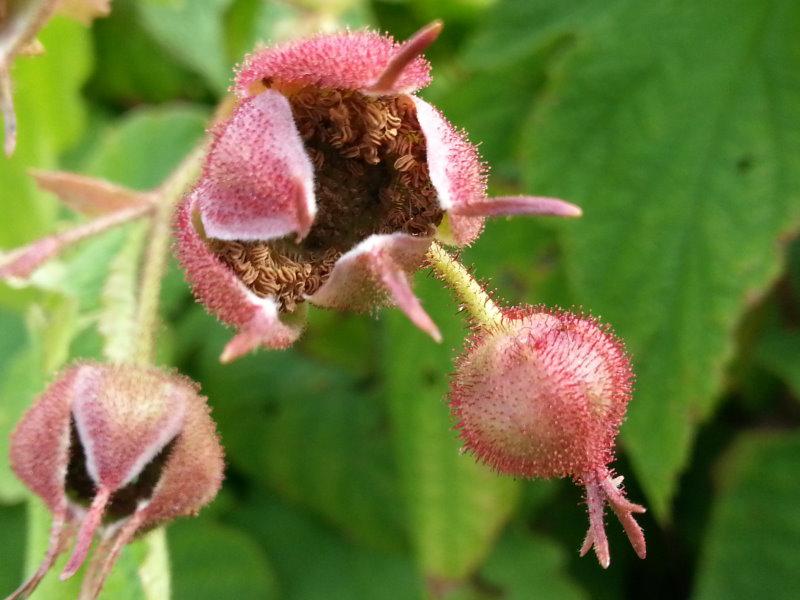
point(353, 60)
point(503, 206)
point(224, 295)
point(258, 181)
point(376, 269)
point(455, 169)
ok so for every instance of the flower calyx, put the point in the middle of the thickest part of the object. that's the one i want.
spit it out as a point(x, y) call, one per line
point(327, 186)
point(114, 450)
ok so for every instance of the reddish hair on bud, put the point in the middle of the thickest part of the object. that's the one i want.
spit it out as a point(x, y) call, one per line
point(113, 451)
point(544, 395)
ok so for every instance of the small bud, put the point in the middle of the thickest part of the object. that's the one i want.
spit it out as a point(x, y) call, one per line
point(117, 449)
point(544, 395)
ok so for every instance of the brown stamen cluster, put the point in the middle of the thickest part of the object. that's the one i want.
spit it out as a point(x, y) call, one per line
point(371, 177)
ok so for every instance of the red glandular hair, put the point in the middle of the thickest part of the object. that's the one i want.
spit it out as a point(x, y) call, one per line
point(544, 395)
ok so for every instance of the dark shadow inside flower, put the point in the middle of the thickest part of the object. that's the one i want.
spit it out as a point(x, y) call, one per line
point(81, 489)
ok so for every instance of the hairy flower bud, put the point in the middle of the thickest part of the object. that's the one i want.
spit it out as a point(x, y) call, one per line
point(328, 184)
point(544, 395)
point(118, 449)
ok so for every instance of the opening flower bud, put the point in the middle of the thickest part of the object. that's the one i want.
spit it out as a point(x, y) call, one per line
point(328, 184)
point(117, 449)
point(543, 395)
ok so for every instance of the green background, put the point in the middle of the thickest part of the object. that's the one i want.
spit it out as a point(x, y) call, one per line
point(675, 124)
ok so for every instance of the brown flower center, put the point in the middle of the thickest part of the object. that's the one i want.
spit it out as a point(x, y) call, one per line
point(371, 176)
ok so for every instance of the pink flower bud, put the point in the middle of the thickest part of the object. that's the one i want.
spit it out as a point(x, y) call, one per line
point(117, 449)
point(544, 395)
point(328, 184)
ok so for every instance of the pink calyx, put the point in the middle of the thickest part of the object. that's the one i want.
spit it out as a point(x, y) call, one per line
point(602, 488)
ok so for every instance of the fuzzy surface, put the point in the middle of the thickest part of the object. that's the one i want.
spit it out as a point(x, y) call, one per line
point(352, 60)
point(545, 396)
point(223, 294)
point(258, 182)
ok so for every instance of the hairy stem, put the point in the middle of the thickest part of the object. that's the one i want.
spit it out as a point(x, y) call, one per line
point(475, 300)
point(157, 254)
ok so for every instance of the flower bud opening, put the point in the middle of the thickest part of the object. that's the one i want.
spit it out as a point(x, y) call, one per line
point(371, 177)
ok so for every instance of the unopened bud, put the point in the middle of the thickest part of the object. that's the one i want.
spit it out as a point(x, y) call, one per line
point(116, 449)
point(544, 395)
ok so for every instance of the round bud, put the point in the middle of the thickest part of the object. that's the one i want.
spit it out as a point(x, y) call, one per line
point(543, 395)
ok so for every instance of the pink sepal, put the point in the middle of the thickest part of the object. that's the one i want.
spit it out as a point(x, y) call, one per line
point(91, 521)
point(353, 60)
point(258, 181)
point(455, 168)
point(88, 195)
point(503, 206)
point(376, 268)
point(22, 262)
point(46, 425)
point(222, 293)
point(120, 436)
point(601, 488)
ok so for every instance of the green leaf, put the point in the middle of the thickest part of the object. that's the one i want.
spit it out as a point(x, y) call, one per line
point(680, 139)
point(313, 433)
point(211, 561)
point(192, 31)
point(526, 564)
point(455, 507)
point(142, 148)
point(751, 545)
point(20, 380)
point(50, 117)
point(779, 352)
point(137, 70)
point(315, 563)
point(12, 524)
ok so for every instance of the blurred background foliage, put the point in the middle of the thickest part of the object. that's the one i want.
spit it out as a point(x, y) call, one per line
point(676, 126)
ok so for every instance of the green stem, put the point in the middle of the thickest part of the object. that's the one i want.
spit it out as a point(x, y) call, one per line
point(157, 255)
point(473, 297)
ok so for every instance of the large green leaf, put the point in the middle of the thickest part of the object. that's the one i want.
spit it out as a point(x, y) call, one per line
point(50, 117)
point(193, 32)
point(315, 563)
point(141, 149)
point(211, 561)
point(12, 524)
point(312, 432)
point(779, 352)
point(137, 70)
point(455, 507)
point(675, 126)
point(525, 565)
point(752, 540)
